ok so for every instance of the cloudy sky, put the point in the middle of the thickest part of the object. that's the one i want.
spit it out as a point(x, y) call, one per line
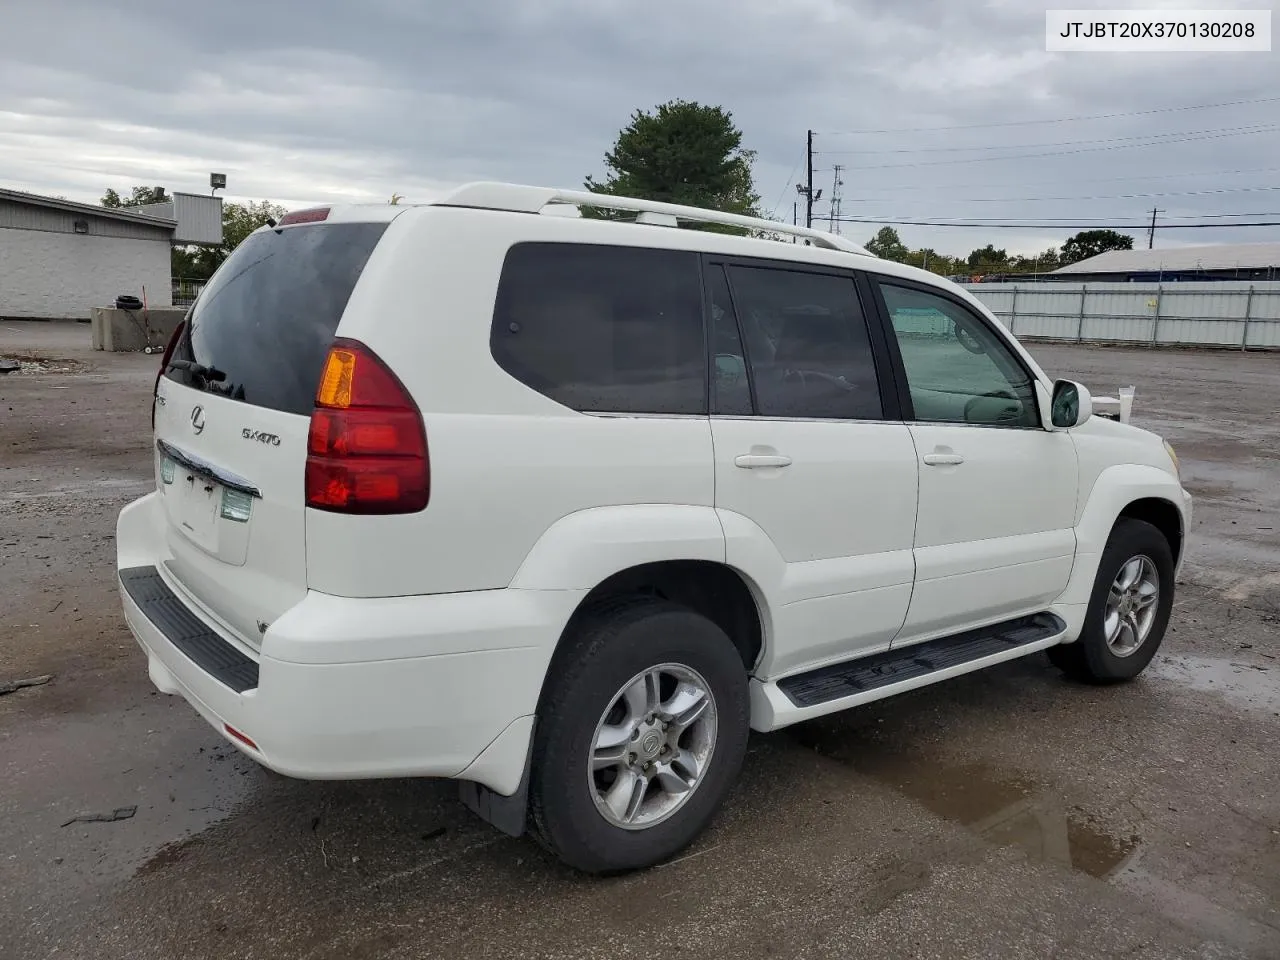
point(300, 102)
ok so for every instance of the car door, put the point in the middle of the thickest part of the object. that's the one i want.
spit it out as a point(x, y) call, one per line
point(815, 473)
point(995, 532)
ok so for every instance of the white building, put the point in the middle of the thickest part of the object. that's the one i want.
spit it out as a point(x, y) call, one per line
point(59, 258)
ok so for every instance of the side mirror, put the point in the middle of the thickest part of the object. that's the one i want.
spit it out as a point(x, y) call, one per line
point(1071, 405)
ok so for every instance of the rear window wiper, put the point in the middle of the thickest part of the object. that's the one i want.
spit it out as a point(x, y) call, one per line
point(211, 374)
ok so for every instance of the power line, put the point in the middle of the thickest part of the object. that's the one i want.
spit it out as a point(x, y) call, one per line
point(1055, 226)
point(1028, 123)
point(1059, 182)
point(1113, 196)
point(790, 178)
point(1060, 143)
point(946, 221)
point(1063, 153)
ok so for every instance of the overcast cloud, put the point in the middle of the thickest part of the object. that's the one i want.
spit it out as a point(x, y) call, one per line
point(328, 101)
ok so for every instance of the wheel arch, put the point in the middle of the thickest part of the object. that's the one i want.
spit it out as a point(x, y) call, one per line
point(713, 589)
point(1162, 514)
point(1127, 490)
point(675, 552)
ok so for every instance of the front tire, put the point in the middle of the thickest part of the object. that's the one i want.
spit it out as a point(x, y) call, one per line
point(641, 734)
point(1128, 610)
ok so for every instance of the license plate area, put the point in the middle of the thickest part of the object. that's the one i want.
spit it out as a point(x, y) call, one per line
point(213, 517)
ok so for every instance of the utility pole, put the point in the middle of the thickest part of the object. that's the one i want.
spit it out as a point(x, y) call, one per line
point(833, 218)
point(808, 183)
point(806, 189)
point(1151, 234)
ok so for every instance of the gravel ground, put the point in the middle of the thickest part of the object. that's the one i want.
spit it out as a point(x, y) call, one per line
point(1008, 813)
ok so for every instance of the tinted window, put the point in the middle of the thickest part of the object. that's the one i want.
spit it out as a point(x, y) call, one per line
point(267, 318)
point(958, 369)
point(807, 344)
point(730, 390)
point(602, 328)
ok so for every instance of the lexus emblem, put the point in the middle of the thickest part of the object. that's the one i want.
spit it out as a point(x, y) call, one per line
point(197, 418)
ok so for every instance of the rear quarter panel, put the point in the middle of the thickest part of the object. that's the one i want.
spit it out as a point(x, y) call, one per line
point(506, 462)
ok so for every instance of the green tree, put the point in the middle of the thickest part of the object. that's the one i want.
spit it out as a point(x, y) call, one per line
point(238, 221)
point(139, 196)
point(682, 152)
point(988, 260)
point(1039, 263)
point(1090, 243)
point(887, 245)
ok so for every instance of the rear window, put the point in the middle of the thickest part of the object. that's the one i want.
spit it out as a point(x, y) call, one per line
point(264, 323)
point(603, 329)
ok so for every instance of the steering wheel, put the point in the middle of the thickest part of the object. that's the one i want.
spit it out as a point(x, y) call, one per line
point(968, 340)
point(991, 394)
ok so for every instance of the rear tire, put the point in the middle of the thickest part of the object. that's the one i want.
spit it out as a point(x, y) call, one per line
point(641, 734)
point(1128, 610)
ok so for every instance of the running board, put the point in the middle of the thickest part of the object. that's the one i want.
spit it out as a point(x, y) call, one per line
point(852, 682)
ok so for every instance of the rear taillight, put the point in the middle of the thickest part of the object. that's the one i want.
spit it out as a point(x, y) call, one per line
point(367, 447)
point(164, 365)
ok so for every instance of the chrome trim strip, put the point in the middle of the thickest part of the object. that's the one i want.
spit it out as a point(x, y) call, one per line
point(208, 470)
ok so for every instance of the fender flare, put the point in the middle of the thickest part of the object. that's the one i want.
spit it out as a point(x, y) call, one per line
point(1115, 488)
point(583, 549)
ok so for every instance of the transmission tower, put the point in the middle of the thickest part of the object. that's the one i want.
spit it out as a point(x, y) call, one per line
point(833, 223)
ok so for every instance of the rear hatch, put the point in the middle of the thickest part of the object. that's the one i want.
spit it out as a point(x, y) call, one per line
point(232, 415)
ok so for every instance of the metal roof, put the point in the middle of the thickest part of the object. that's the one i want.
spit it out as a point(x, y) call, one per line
point(1226, 256)
point(88, 209)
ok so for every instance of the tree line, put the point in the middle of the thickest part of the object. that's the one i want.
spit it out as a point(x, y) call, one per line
point(988, 260)
point(680, 152)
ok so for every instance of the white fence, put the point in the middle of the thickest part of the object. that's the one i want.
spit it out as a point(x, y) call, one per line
point(1220, 314)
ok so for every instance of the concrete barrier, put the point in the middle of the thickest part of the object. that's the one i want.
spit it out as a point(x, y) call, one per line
point(128, 331)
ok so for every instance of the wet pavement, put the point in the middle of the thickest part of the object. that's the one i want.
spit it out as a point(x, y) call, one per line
point(1008, 813)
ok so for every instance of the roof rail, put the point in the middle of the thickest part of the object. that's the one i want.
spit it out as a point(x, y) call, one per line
point(523, 199)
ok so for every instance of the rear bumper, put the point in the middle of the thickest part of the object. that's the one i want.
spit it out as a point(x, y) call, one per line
point(439, 686)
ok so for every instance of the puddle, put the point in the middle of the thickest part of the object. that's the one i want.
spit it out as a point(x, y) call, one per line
point(170, 854)
point(1003, 809)
point(1249, 685)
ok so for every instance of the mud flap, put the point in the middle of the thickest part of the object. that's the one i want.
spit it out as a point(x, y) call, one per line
point(508, 814)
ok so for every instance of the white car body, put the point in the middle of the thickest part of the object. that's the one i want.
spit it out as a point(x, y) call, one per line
point(418, 644)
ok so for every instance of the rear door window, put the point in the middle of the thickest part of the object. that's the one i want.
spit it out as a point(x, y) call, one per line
point(261, 328)
point(604, 329)
point(807, 344)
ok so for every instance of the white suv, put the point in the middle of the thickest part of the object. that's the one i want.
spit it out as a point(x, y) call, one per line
point(562, 506)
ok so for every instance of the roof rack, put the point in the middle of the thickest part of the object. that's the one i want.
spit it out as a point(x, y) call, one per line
point(517, 198)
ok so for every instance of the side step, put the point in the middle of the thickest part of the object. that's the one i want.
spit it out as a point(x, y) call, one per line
point(186, 631)
point(854, 677)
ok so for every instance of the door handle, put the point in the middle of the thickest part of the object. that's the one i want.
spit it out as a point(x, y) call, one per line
point(750, 461)
point(942, 459)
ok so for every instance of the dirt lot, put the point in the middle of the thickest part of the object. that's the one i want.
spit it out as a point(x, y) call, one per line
point(1008, 813)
